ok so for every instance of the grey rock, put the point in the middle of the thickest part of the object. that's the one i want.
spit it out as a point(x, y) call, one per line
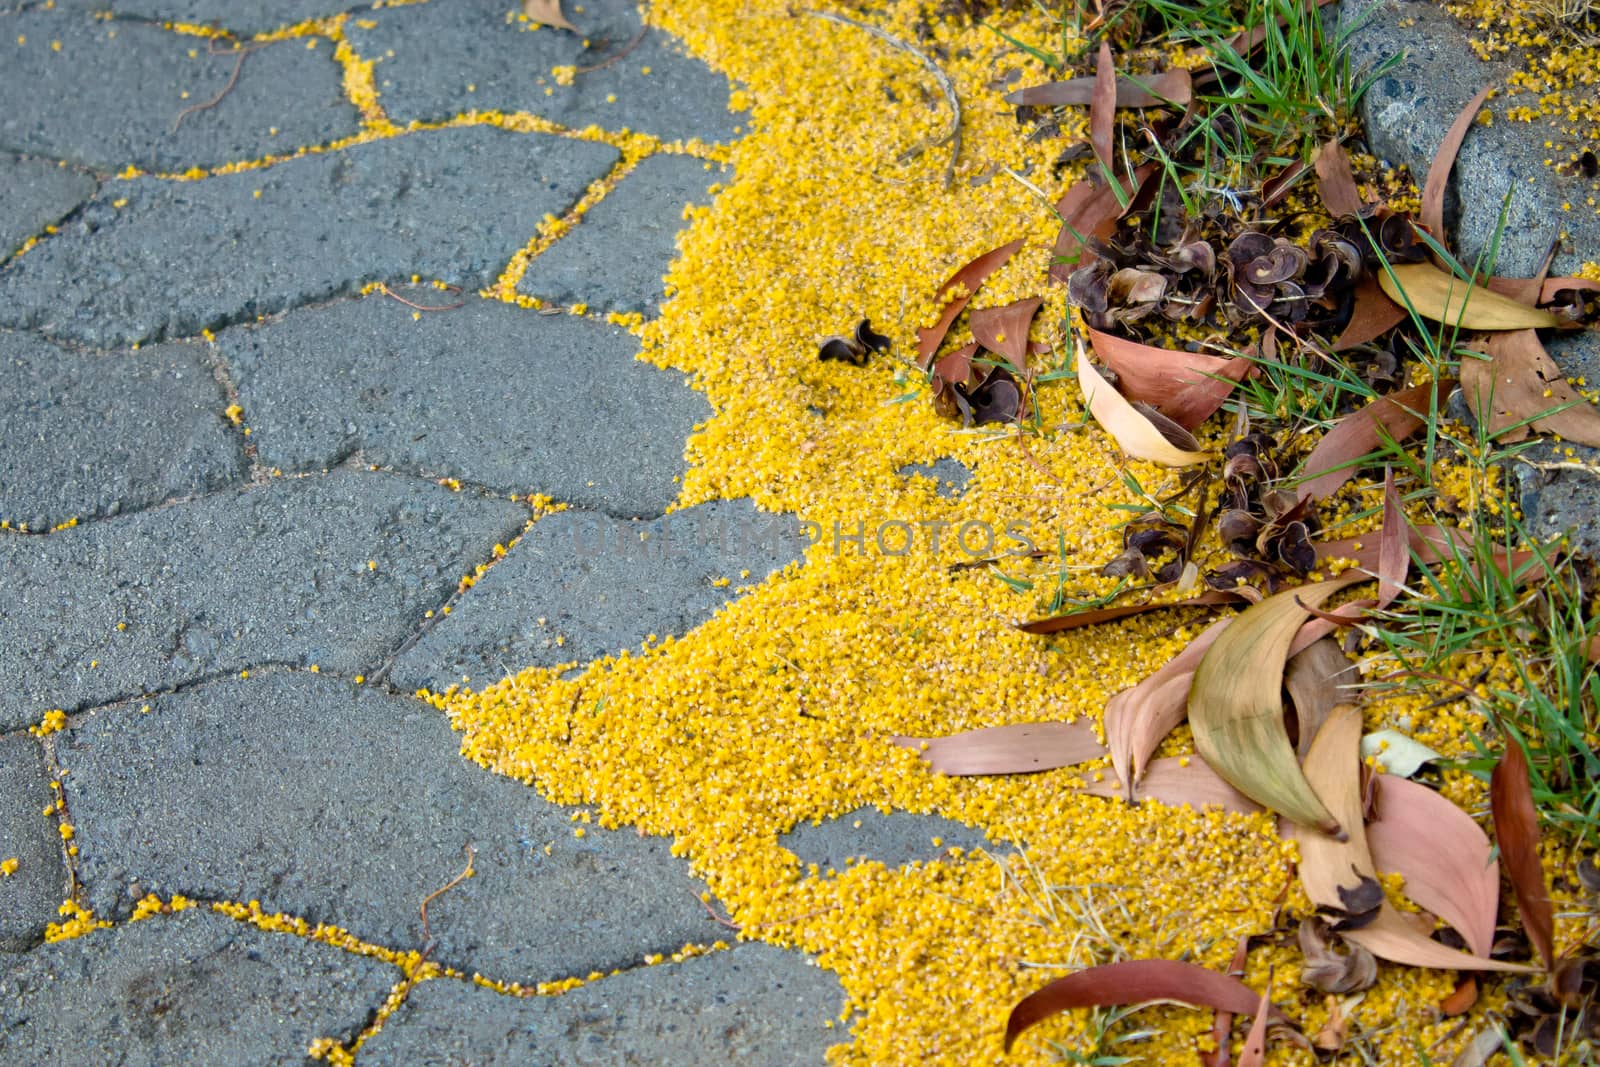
point(193, 988)
point(83, 436)
point(30, 895)
point(601, 585)
point(38, 194)
point(110, 96)
point(434, 52)
point(752, 1005)
point(275, 573)
point(348, 806)
point(951, 475)
point(1408, 110)
point(617, 255)
point(892, 838)
point(450, 204)
point(491, 393)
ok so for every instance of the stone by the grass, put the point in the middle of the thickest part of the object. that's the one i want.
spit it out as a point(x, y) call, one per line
point(615, 258)
point(949, 475)
point(347, 805)
point(599, 585)
point(38, 194)
point(177, 257)
point(110, 95)
point(334, 570)
point(191, 988)
point(1408, 109)
point(444, 59)
point(752, 1005)
point(83, 436)
point(30, 895)
point(893, 839)
point(490, 393)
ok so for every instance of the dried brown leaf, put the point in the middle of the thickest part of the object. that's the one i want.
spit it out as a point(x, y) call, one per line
point(547, 13)
point(1442, 297)
point(1004, 329)
point(1519, 382)
point(1394, 554)
point(1516, 831)
point(1020, 748)
point(1187, 387)
point(1462, 999)
point(1133, 90)
point(1134, 982)
point(1134, 433)
point(1335, 182)
point(966, 280)
point(1444, 160)
point(1329, 970)
point(1138, 719)
point(1313, 679)
point(1254, 1053)
point(1090, 209)
point(1176, 781)
point(1073, 620)
point(1102, 110)
point(1396, 417)
point(1373, 315)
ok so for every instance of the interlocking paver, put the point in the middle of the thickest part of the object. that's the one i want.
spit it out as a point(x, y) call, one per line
point(362, 809)
point(334, 570)
point(444, 59)
point(752, 1005)
point(179, 257)
point(38, 194)
point(617, 255)
point(490, 393)
point(110, 95)
point(30, 893)
point(192, 988)
point(83, 436)
point(581, 585)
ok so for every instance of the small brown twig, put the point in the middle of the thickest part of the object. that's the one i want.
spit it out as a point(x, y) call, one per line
point(386, 291)
point(730, 924)
point(233, 79)
point(629, 47)
point(467, 872)
point(711, 913)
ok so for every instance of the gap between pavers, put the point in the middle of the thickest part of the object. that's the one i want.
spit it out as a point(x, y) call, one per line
point(38, 194)
point(30, 895)
point(191, 988)
point(335, 570)
point(346, 805)
point(752, 1005)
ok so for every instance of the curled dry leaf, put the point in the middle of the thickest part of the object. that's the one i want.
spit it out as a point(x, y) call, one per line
point(1138, 719)
point(1333, 461)
point(1442, 297)
point(1395, 753)
point(1020, 748)
point(1236, 705)
point(1176, 781)
point(1330, 869)
point(1073, 620)
point(1314, 679)
point(955, 294)
point(855, 348)
point(1330, 970)
point(1134, 432)
point(1187, 387)
point(1254, 1053)
point(1516, 831)
point(547, 13)
point(1134, 982)
point(1444, 160)
point(1004, 330)
point(1090, 209)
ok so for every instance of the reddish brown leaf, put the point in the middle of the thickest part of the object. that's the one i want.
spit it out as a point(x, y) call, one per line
point(1444, 856)
point(1254, 1053)
point(1444, 160)
point(1335, 182)
point(1313, 679)
point(1090, 209)
point(1004, 329)
point(967, 279)
point(1102, 110)
point(956, 366)
point(1138, 719)
point(1176, 781)
point(1394, 554)
point(1429, 544)
point(1133, 90)
point(1186, 387)
point(1134, 982)
point(1021, 748)
point(1519, 381)
point(1074, 620)
point(1516, 831)
point(1373, 316)
point(1461, 1001)
point(1397, 416)
point(1222, 1021)
point(1246, 41)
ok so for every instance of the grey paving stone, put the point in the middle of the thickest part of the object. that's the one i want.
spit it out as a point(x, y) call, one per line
point(30, 895)
point(83, 436)
point(110, 95)
point(893, 839)
point(274, 573)
point(349, 806)
point(178, 257)
point(1409, 109)
point(616, 256)
point(1565, 501)
point(191, 988)
point(439, 50)
point(752, 1005)
point(491, 393)
point(38, 194)
point(591, 580)
point(239, 16)
point(950, 474)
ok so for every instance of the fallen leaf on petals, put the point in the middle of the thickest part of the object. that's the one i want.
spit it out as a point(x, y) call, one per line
point(1516, 831)
point(1134, 432)
point(1358, 434)
point(1020, 748)
point(1138, 719)
point(1004, 330)
point(1133, 90)
point(1187, 387)
point(1176, 781)
point(966, 281)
